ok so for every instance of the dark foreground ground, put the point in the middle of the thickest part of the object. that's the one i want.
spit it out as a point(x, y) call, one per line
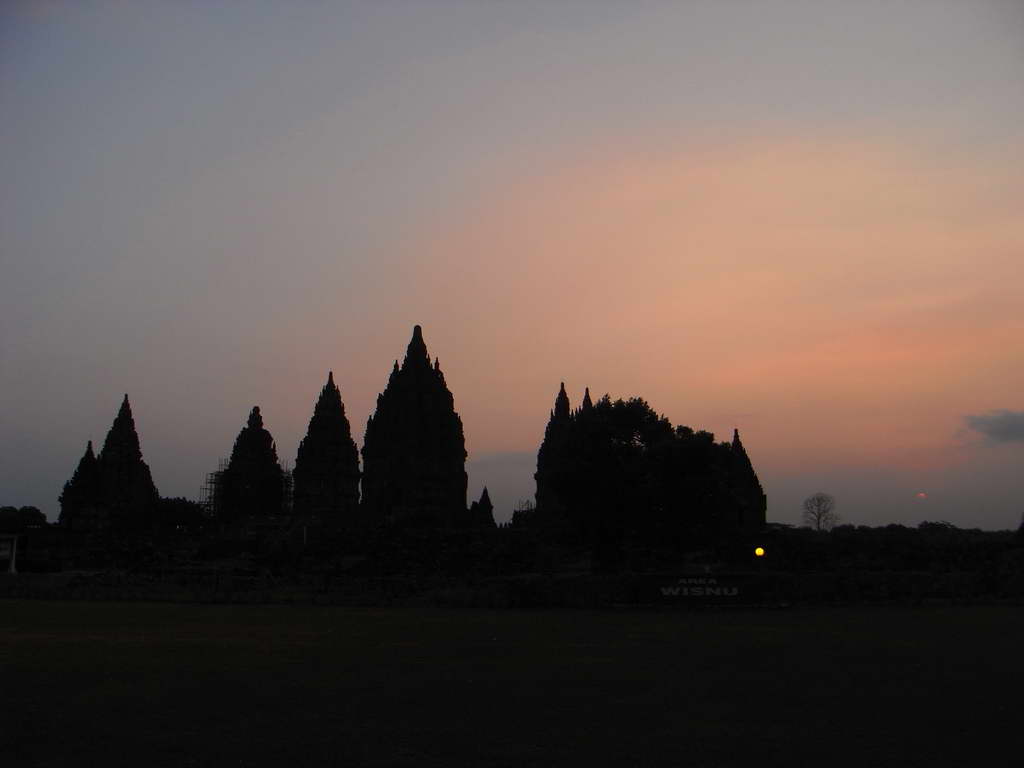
point(119, 684)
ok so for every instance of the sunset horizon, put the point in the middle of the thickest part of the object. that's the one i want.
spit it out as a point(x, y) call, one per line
point(501, 384)
point(801, 221)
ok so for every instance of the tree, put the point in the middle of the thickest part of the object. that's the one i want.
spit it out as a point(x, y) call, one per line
point(820, 511)
point(14, 520)
point(179, 513)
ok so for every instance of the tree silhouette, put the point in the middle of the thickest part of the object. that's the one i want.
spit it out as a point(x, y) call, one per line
point(819, 511)
point(18, 520)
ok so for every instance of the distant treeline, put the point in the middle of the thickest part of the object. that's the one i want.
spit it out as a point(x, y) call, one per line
point(934, 547)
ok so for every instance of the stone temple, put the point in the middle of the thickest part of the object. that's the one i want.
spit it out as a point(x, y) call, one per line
point(326, 476)
point(115, 490)
point(253, 483)
point(414, 451)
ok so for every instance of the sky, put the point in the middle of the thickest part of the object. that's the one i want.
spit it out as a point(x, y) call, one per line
point(801, 219)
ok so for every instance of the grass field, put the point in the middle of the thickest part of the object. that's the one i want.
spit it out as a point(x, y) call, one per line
point(144, 684)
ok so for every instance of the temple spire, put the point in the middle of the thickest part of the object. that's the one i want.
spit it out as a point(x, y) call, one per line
point(253, 483)
point(129, 496)
point(587, 403)
point(326, 475)
point(255, 419)
point(414, 450)
point(416, 353)
point(561, 404)
point(481, 513)
point(122, 439)
point(82, 495)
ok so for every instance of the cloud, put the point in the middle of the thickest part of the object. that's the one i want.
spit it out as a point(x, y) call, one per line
point(1002, 426)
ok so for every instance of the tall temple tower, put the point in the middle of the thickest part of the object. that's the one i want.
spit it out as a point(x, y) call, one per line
point(752, 501)
point(552, 454)
point(414, 452)
point(81, 503)
point(326, 474)
point(113, 491)
point(129, 495)
point(252, 485)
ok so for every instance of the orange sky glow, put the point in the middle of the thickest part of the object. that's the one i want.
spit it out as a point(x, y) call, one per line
point(800, 219)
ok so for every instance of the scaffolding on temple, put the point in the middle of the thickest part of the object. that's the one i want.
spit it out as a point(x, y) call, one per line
point(210, 492)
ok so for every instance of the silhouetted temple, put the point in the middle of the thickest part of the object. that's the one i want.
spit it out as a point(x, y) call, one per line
point(751, 501)
point(81, 503)
point(326, 475)
point(414, 452)
point(253, 482)
point(481, 513)
point(128, 489)
point(617, 477)
point(552, 458)
point(115, 490)
point(617, 484)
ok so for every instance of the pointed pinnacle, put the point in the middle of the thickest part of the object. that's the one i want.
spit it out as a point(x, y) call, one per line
point(562, 408)
point(736, 444)
point(255, 419)
point(416, 352)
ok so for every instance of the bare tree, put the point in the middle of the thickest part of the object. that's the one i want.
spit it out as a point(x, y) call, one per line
point(820, 511)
